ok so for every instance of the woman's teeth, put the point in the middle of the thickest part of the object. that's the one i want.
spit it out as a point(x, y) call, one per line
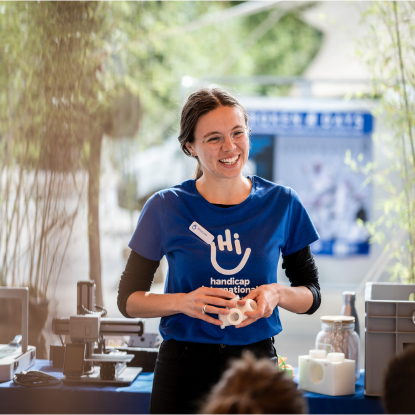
point(230, 161)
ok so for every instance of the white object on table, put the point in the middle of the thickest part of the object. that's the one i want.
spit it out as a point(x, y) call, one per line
point(329, 375)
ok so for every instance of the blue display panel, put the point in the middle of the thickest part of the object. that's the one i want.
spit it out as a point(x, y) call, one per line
point(262, 154)
point(310, 159)
point(344, 124)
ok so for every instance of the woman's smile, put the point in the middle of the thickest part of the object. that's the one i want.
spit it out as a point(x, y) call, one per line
point(230, 161)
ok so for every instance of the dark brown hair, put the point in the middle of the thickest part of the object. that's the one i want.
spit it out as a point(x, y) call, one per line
point(253, 386)
point(398, 387)
point(198, 104)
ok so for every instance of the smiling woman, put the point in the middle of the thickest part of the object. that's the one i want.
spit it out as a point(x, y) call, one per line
point(259, 220)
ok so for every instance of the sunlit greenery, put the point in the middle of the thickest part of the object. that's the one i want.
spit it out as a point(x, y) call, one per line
point(389, 52)
point(153, 54)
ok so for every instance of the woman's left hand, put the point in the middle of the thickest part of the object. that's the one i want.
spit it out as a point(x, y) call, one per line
point(267, 298)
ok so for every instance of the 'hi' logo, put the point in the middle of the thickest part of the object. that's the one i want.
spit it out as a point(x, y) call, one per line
point(228, 244)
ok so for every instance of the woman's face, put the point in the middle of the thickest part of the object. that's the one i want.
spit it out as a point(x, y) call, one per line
point(228, 160)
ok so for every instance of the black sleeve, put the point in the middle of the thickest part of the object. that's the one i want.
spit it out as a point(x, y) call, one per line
point(302, 271)
point(137, 276)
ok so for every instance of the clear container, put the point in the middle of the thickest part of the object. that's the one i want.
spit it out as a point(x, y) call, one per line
point(338, 335)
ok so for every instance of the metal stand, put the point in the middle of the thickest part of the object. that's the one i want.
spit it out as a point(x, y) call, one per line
point(124, 379)
point(102, 368)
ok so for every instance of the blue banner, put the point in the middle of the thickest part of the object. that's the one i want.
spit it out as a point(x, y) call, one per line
point(292, 123)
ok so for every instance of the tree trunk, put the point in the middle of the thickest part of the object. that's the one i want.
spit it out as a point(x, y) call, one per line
point(94, 168)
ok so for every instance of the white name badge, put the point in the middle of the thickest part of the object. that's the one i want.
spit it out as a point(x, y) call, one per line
point(202, 233)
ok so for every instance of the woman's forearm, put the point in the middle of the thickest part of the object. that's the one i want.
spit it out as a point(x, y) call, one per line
point(147, 305)
point(295, 299)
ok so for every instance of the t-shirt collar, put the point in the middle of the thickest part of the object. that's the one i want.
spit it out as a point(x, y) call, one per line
point(251, 194)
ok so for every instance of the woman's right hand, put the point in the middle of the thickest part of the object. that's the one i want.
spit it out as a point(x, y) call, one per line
point(192, 303)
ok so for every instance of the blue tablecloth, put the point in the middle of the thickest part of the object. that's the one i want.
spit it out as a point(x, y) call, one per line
point(63, 399)
point(349, 404)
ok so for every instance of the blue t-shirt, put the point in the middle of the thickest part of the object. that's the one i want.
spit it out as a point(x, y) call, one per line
point(244, 254)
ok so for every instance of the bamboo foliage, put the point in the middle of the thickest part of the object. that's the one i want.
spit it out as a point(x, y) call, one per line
point(389, 51)
point(47, 58)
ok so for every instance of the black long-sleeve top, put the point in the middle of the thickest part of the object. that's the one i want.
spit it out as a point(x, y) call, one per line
point(300, 268)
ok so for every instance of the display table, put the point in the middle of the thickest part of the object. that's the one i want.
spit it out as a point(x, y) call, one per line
point(61, 399)
point(349, 404)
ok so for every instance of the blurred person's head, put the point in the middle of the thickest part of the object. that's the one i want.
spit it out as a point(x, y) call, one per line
point(208, 115)
point(253, 386)
point(399, 385)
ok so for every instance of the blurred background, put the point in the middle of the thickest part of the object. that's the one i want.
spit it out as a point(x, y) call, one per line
point(90, 99)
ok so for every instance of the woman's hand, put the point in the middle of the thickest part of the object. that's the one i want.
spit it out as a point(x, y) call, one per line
point(267, 298)
point(193, 303)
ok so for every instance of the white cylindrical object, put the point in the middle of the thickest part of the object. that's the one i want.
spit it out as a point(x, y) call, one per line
point(235, 316)
point(250, 305)
point(235, 299)
point(335, 357)
point(317, 354)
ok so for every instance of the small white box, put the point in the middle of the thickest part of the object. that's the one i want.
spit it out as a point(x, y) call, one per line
point(329, 375)
point(84, 328)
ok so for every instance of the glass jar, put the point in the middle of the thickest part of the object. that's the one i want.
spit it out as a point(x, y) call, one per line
point(338, 335)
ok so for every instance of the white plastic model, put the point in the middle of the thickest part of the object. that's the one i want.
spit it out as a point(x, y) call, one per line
point(236, 315)
point(330, 375)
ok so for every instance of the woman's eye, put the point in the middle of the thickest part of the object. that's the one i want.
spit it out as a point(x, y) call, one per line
point(212, 139)
point(238, 133)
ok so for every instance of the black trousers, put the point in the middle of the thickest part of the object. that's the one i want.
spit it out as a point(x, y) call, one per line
point(185, 372)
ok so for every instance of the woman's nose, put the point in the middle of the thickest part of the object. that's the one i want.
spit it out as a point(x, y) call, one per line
point(228, 145)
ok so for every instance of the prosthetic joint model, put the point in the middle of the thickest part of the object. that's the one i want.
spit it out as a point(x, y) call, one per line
point(237, 314)
point(329, 374)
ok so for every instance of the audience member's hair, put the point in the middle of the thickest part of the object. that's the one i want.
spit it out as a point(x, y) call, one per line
point(399, 386)
point(253, 386)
